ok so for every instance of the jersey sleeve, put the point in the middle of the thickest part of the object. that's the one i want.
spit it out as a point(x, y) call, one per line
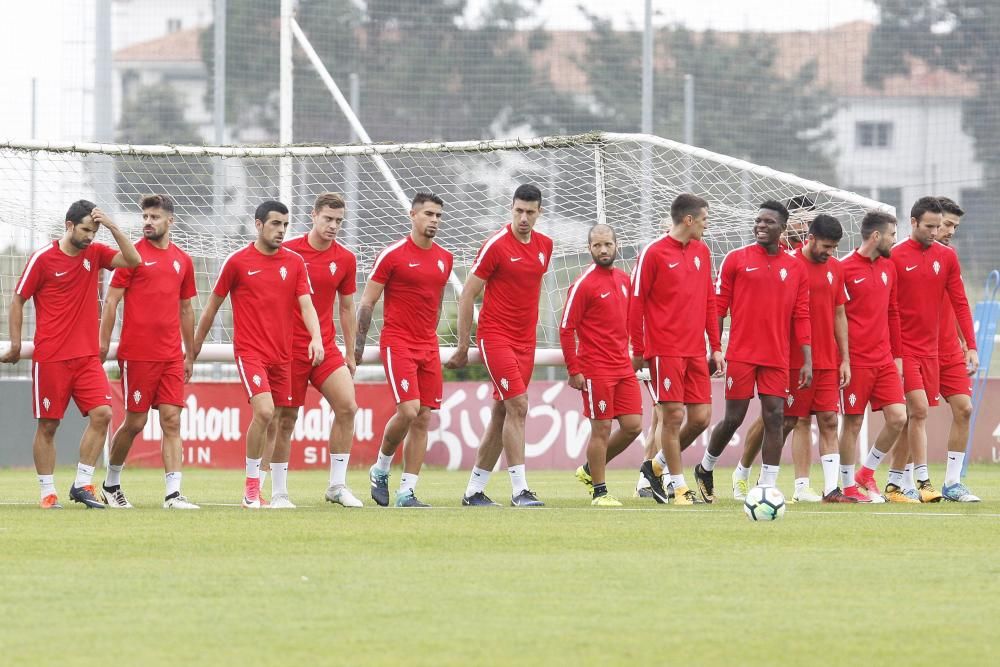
point(724, 285)
point(189, 288)
point(711, 311)
point(960, 302)
point(384, 265)
point(800, 314)
point(349, 283)
point(895, 335)
point(227, 278)
point(839, 287)
point(642, 277)
point(303, 286)
point(486, 261)
point(572, 314)
point(105, 255)
point(122, 277)
point(31, 278)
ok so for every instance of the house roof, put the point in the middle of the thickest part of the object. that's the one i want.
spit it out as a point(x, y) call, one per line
point(180, 46)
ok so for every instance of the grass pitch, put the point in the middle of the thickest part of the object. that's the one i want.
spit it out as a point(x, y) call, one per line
point(464, 586)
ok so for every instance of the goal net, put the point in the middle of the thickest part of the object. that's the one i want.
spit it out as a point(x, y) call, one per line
point(627, 181)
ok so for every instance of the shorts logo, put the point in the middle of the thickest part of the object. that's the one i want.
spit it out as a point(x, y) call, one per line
point(936, 266)
point(177, 266)
point(441, 266)
point(284, 272)
point(504, 384)
point(783, 274)
point(333, 268)
point(885, 278)
point(602, 406)
point(697, 263)
point(829, 277)
point(136, 396)
point(256, 380)
point(541, 258)
point(790, 400)
point(46, 403)
point(404, 384)
point(729, 382)
point(852, 399)
point(666, 384)
point(86, 264)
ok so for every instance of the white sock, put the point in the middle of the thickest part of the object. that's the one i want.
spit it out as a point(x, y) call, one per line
point(263, 476)
point(768, 475)
point(953, 473)
point(253, 468)
point(408, 482)
point(741, 472)
point(895, 477)
point(84, 475)
point(908, 482)
point(643, 483)
point(874, 458)
point(847, 476)
point(173, 482)
point(338, 469)
point(830, 463)
point(921, 473)
point(518, 478)
point(678, 481)
point(279, 479)
point(801, 483)
point(708, 461)
point(46, 485)
point(661, 461)
point(114, 476)
point(383, 462)
point(477, 482)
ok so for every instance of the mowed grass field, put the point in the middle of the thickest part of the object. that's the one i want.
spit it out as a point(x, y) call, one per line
point(569, 584)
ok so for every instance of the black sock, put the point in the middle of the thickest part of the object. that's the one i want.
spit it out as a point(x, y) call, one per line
point(600, 490)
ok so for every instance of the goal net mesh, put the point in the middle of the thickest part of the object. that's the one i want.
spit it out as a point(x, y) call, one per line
point(627, 181)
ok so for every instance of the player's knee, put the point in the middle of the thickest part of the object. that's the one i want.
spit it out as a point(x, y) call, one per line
point(100, 417)
point(962, 412)
point(517, 407)
point(170, 423)
point(345, 410)
point(631, 430)
point(408, 411)
point(263, 414)
point(790, 422)
point(48, 427)
point(896, 420)
point(286, 422)
point(698, 421)
point(673, 415)
point(827, 421)
point(916, 413)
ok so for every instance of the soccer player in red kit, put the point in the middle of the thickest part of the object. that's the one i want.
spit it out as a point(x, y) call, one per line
point(928, 272)
point(766, 292)
point(594, 340)
point(62, 278)
point(673, 275)
point(874, 342)
point(332, 274)
point(509, 267)
point(265, 281)
point(153, 365)
point(412, 273)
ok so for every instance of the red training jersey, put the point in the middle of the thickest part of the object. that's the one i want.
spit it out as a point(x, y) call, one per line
point(414, 280)
point(263, 289)
point(768, 299)
point(151, 322)
point(513, 273)
point(949, 346)
point(67, 314)
point(595, 315)
point(826, 292)
point(331, 272)
point(872, 311)
point(926, 276)
point(672, 278)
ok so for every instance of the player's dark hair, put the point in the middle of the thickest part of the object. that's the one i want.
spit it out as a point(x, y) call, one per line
point(800, 203)
point(79, 210)
point(590, 233)
point(528, 192)
point(949, 205)
point(925, 205)
point(424, 197)
point(686, 204)
point(876, 221)
point(157, 201)
point(267, 207)
point(777, 207)
point(826, 227)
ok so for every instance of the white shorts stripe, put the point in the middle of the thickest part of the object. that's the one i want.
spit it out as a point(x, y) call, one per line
point(656, 394)
point(125, 381)
point(482, 350)
point(38, 405)
point(243, 376)
point(590, 396)
point(388, 367)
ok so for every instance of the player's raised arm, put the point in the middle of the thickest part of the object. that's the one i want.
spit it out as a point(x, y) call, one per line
point(127, 254)
point(474, 286)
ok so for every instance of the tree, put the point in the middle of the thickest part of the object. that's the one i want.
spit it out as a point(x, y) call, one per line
point(154, 115)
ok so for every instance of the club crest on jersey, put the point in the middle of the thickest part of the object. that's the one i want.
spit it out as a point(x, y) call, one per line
point(86, 263)
point(333, 268)
point(783, 274)
point(852, 399)
point(666, 384)
point(441, 266)
point(256, 380)
point(46, 403)
point(936, 266)
point(829, 277)
point(504, 384)
point(790, 400)
point(697, 263)
point(404, 384)
point(729, 382)
point(885, 279)
point(284, 272)
point(541, 258)
point(136, 396)
point(177, 266)
point(602, 406)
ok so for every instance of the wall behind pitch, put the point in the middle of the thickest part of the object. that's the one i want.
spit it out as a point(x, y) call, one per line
point(17, 428)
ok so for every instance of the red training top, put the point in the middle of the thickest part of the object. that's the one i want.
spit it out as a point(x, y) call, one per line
point(332, 271)
point(872, 311)
point(595, 315)
point(826, 292)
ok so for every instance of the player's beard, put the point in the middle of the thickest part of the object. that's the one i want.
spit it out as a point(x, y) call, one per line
point(606, 261)
point(151, 235)
point(80, 244)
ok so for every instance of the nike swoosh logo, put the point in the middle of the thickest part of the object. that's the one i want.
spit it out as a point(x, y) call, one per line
point(752, 268)
point(253, 273)
point(858, 280)
point(670, 266)
point(605, 295)
point(59, 275)
point(108, 397)
point(149, 263)
point(437, 400)
point(516, 259)
point(413, 265)
point(910, 268)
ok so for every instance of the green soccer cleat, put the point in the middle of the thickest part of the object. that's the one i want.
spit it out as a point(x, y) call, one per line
point(606, 500)
point(585, 479)
point(958, 493)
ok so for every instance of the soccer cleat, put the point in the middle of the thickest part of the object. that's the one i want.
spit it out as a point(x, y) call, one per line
point(114, 497)
point(657, 468)
point(478, 499)
point(865, 478)
point(958, 493)
point(380, 486)
point(806, 494)
point(341, 495)
point(280, 501)
point(706, 483)
point(50, 502)
point(585, 479)
point(408, 499)
point(740, 487)
point(526, 498)
point(912, 493)
point(86, 496)
point(606, 500)
point(894, 494)
point(175, 501)
point(838, 496)
point(686, 496)
point(251, 494)
point(853, 491)
point(669, 488)
point(643, 492)
point(655, 482)
point(928, 494)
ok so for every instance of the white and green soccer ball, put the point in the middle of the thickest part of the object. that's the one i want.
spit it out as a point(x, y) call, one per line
point(764, 503)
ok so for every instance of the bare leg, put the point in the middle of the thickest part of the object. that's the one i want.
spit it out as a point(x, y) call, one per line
point(121, 441)
point(416, 442)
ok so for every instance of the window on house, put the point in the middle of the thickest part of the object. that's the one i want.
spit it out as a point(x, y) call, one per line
point(173, 25)
point(892, 197)
point(873, 135)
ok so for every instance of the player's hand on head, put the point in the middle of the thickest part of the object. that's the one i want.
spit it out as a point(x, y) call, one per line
point(100, 217)
point(576, 381)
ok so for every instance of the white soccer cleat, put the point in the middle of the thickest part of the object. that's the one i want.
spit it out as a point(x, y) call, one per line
point(806, 494)
point(281, 502)
point(341, 495)
point(179, 503)
point(115, 499)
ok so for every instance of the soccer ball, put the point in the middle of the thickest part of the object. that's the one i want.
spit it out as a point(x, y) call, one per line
point(764, 503)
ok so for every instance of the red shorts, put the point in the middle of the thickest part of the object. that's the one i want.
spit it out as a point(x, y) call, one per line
point(260, 378)
point(922, 373)
point(650, 388)
point(414, 374)
point(509, 367)
point(304, 374)
point(741, 378)
point(607, 398)
point(876, 386)
point(53, 383)
point(149, 384)
point(954, 377)
point(680, 380)
point(823, 395)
